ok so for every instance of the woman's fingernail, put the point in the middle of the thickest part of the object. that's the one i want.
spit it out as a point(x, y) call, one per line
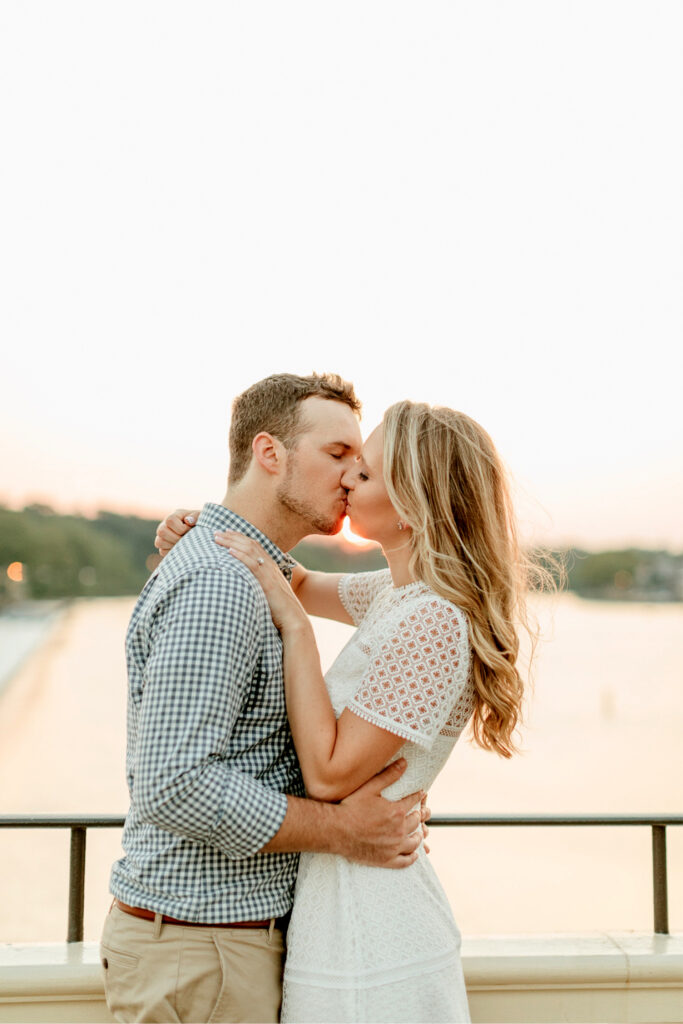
point(190, 520)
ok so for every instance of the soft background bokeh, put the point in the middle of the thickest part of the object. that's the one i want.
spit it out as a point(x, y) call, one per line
point(472, 203)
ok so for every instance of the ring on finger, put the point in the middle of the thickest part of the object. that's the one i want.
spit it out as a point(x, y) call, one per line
point(259, 561)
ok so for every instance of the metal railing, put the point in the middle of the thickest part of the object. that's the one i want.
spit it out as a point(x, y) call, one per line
point(658, 823)
point(79, 824)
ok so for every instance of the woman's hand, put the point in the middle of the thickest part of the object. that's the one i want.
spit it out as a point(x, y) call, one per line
point(285, 608)
point(173, 527)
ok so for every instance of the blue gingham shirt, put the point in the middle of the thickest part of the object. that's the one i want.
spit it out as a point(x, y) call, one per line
point(210, 754)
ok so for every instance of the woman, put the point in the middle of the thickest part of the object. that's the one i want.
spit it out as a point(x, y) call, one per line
point(436, 647)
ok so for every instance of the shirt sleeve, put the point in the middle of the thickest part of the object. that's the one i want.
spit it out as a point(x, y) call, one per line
point(417, 672)
point(205, 644)
point(357, 591)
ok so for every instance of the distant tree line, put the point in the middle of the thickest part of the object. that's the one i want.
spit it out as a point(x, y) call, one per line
point(48, 555)
point(71, 556)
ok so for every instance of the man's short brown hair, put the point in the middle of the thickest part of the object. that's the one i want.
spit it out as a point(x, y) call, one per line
point(272, 405)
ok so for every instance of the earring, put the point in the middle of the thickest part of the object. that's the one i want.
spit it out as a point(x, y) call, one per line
point(401, 525)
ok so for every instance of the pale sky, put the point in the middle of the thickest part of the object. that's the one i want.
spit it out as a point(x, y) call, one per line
point(475, 204)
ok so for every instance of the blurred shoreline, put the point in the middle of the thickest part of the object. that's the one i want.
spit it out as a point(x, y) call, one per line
point(24, 627)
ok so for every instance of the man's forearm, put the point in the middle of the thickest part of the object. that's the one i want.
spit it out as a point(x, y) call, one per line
point(364, 827)
point(310, 825)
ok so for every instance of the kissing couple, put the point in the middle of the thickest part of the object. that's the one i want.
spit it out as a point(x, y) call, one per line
point(267, 798)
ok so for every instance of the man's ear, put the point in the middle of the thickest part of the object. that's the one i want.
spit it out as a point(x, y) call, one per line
point(268, 452)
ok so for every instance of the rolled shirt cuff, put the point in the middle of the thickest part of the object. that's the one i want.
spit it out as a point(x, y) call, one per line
point(251, 815)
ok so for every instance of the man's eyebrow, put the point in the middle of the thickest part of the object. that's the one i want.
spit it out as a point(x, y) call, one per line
point(339, 444)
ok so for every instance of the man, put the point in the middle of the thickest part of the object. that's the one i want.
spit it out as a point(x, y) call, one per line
point(217, 810)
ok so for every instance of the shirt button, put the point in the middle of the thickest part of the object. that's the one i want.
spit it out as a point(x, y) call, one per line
point(105, 963)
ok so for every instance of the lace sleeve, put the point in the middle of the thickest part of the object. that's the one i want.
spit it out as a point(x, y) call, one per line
point(358, 590)
point(418, 671)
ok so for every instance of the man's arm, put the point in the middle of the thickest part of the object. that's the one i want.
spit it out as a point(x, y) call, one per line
point(364, 827)
point(204, 644)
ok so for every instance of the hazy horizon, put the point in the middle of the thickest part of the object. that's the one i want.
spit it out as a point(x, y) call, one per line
point(91, 512)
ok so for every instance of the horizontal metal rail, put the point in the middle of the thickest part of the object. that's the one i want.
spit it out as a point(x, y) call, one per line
point(78, 824)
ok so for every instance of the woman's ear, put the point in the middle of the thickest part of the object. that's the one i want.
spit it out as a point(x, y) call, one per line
point(268, 452)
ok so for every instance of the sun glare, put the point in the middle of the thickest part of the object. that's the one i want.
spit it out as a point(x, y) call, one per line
point(353, 538)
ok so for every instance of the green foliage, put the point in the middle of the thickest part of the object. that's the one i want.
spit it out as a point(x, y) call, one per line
point(628, 574)
point(71, 556)
point(333, 558)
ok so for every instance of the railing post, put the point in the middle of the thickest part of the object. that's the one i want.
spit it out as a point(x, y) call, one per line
point(76, 885)
point(659, 881)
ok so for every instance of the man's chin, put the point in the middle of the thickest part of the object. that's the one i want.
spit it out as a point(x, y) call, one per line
point(330, 528)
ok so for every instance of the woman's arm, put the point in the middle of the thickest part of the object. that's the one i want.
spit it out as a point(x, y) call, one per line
point(336, 756)
point(319, 593)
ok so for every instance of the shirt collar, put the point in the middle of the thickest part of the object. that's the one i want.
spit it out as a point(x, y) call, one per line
point(217, 517)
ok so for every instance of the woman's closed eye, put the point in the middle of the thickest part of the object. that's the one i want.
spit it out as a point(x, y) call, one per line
point(363, 476)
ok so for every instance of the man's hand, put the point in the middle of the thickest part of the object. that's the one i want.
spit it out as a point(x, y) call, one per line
point(173, 527)
point(426, 815)
point(382, 833)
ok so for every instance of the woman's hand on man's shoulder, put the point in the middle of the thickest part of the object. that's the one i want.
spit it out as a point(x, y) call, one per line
point(173, 527)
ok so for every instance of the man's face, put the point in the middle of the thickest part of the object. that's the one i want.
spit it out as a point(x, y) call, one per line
point(326, 449)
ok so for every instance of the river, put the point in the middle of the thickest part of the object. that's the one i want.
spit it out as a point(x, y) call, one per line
point(603, 734)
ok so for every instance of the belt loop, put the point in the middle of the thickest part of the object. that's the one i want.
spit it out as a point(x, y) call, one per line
point(271, 929)
point(158, 921)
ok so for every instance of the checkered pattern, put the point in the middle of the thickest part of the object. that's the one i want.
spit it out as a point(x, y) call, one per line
point(210, 755)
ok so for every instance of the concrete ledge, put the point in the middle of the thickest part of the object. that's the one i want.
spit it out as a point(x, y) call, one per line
point(585, 979)
point(513, 978)
point(56, 982)
point(598, 958)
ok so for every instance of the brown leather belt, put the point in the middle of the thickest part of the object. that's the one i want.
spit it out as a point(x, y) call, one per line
point(149, 915)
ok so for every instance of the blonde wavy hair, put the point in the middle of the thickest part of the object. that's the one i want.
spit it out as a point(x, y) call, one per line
point(447, 482)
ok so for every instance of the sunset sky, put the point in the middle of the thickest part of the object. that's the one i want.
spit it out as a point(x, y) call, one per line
point(474, 204)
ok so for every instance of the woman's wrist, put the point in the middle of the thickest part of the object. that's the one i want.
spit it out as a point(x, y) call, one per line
point(297, 624)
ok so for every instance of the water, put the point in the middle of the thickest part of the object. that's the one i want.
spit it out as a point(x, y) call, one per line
point(22, 627)
point(603, 735)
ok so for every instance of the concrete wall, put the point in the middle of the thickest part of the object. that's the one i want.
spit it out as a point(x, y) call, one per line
point(525, 979)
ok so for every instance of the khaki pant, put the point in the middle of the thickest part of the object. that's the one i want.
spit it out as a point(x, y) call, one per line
point(167, 972)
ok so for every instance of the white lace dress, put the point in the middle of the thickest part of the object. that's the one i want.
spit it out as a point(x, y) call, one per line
point(371, 944)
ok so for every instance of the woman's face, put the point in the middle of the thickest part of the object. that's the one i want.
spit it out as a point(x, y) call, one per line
point(370, 512)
